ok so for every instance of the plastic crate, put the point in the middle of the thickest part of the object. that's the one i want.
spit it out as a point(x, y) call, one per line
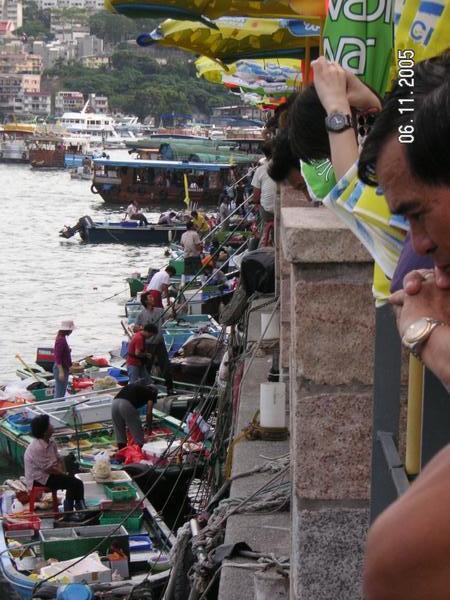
point(120, 492)
point(20, 423)
point(131, 524)
point(13, 524)
point(46, 393)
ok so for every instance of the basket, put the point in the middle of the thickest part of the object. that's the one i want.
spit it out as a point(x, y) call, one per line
point(131, 524)
point(12, 524)
point(120, 492)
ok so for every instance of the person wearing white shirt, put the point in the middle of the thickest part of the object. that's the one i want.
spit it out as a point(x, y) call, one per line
point(159, 285)
point(264, 187)
point(133, 213)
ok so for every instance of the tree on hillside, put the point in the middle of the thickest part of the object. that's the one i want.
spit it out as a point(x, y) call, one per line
point(113, 28)
point(36, 22)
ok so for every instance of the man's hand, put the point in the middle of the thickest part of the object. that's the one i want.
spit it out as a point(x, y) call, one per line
point(359, 96)
point(330, 81)
point(420, 298)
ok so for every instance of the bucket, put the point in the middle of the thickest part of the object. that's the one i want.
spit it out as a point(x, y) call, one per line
point(272, 405)
point(273, 329)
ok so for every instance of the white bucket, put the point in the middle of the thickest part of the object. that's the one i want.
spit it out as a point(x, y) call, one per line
point(272, 405)
point(273, 329)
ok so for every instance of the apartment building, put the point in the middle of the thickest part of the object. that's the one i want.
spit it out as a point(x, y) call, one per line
point(98, 104)
point(39, 104)
point(11, 10)
point(67, 101)
point(20, 63)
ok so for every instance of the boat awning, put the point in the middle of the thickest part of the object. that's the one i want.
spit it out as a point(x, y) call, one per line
point(168, 165)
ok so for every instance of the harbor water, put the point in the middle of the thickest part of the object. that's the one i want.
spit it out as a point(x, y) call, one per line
point(46, 278)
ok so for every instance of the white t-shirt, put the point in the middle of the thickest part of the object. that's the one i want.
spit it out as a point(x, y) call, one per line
point(158, 280)
point(267, 185)
point(189, 240)
point(132, 210)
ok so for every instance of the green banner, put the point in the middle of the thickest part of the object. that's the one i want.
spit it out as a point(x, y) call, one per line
point(358, 34)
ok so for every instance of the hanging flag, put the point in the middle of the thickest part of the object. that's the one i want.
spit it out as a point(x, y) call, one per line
point(360, 36)
point(187, 200)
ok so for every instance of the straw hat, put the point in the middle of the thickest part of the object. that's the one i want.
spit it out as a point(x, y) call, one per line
point(67, 325)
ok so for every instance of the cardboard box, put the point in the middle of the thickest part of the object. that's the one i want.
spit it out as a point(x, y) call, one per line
point(88, 570)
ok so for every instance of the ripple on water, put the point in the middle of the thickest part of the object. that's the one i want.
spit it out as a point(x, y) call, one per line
point(46, 279)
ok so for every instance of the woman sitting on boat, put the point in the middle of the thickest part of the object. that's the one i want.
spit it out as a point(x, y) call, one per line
point(134, 214)
point(44, 466)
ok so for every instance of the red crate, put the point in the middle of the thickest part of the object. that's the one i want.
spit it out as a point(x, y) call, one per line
point(16, 524)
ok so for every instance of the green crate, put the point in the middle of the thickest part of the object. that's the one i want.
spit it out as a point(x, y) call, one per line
point(132, 524)
point(120, 492)
point(46, 393)
point(68, 543)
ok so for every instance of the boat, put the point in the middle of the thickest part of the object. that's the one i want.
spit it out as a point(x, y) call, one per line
point(51, 151)
point(121, 524)
point(98, 129)
point(83, 429)
point(194, 343)
point(13, 142)
point(123, 232)
point(160, 182)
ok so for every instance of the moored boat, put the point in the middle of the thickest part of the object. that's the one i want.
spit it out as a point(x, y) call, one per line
point(42, 550)
point(13, 142)
point(160, 182)
point(123, 232)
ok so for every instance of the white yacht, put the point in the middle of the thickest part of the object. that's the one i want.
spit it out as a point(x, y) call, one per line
point(96, 127)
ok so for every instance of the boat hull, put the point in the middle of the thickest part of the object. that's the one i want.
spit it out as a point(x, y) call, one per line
point(116, 233)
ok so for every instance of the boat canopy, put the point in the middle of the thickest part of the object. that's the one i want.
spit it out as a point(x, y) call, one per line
point(235, 38)
point(168, 165)
point(195, 10)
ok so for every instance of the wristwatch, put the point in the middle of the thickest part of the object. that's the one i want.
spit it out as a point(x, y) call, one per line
point(418, 333)
point(336, 122)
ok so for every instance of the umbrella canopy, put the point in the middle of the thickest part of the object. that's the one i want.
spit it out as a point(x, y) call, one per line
point(202, 10)
point(262, 76)
point(238, 38)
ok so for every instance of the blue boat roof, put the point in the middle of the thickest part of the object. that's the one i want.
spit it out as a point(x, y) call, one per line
point(169, 165)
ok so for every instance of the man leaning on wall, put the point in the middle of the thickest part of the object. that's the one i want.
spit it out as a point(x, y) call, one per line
point(408, 548)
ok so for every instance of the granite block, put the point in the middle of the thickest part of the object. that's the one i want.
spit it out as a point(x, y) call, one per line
point(331, 445)
point(290, 197)
point(334, 332)
point(316, 235)
point(329, 549)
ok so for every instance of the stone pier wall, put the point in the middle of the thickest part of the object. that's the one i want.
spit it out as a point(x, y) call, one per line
point(327, 333)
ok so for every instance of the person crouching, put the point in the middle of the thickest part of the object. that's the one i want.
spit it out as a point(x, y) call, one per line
point(125, 412)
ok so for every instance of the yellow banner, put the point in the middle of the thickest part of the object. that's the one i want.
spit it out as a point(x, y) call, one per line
point(187, 200)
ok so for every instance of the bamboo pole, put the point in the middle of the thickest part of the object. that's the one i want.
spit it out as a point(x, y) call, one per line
point(414, 416)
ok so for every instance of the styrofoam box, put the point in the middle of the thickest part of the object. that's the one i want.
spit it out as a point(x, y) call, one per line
point(116, 477)
point(88, 570)
point(62, 411)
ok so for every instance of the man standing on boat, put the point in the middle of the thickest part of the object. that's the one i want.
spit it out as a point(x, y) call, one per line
point(134, 214)
point(200, 222)
point(155, 345)
point(159, 284)
point(192, 246)
point(136, 357)
point(125, 412)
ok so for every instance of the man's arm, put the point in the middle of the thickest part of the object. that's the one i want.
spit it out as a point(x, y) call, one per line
point(408, 546)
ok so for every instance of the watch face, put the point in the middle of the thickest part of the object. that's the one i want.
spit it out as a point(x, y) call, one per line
point(337, 122)
point(416, 330)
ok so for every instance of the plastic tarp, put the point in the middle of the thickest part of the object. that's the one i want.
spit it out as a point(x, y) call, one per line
point(213, 9)
point(236, 38)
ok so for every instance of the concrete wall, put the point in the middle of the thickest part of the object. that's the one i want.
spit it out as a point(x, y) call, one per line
point(327, 328)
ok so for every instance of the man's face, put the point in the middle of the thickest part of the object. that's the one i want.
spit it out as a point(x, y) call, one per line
point(426, 207)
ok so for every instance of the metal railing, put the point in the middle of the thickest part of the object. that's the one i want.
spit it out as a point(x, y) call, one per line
point(428, 418)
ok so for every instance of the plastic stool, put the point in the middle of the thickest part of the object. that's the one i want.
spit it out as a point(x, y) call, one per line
point(37, 491)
